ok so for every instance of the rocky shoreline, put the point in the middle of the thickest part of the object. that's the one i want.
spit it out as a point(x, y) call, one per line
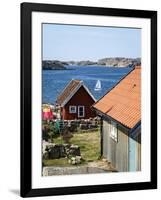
point(53, 65)
point(119, 62)
point(107, 62)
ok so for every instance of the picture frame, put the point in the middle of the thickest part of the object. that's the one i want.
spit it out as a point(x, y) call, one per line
point(27, 104)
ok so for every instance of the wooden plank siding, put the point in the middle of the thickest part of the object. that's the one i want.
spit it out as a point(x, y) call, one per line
point(118, 152)
point(139, 152)
point(115, 152)
point(122, 149)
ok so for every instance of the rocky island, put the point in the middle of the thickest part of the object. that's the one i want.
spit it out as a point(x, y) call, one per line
point(119, 62)
point(109, 62)
point(53, 65)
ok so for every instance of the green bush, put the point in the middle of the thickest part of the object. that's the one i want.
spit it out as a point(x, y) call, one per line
point(50, 130)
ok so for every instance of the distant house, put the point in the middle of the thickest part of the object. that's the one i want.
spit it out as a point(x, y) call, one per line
point(76, 101)
point(120, 112)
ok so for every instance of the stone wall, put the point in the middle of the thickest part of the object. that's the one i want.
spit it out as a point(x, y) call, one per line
point(83, 125)
point(56, 151)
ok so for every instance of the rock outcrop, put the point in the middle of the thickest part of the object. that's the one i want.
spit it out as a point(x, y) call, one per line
point(109, 62)
point(53, 65)
point(56, 151)
point(119, 62)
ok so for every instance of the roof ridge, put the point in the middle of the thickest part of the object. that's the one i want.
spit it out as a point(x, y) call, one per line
point(114, 85)
point(122, 105)
point(72, 91)
point(70, 82)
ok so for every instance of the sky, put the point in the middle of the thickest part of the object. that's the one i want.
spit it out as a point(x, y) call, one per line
point(75, 42)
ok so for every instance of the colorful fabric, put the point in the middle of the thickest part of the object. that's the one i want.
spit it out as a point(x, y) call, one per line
point(47, 114)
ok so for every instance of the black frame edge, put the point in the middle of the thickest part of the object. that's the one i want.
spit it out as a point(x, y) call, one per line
point(25, 138)
point(26, 106)
point(39, 7)
point(154, 99)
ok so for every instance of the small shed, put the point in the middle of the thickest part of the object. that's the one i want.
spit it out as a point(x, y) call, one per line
point(120, 112)
point(76, 101)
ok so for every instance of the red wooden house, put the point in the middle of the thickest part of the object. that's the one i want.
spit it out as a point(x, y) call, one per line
point(76, 101)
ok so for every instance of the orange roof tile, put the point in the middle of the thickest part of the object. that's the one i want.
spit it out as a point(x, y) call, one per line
point(123, 102)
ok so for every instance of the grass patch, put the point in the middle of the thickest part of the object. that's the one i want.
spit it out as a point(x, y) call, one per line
point(89, 144)
point(56, 162)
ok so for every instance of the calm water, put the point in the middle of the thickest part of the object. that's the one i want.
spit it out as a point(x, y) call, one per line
point(54, 81)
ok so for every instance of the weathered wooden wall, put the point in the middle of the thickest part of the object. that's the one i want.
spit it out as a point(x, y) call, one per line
point(118, 152)
point(115, 152)
point(139, 152)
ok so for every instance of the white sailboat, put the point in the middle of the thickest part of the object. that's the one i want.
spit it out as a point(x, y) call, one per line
point(98, 86)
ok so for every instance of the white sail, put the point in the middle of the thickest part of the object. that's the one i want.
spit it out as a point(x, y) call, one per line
point(98, 85)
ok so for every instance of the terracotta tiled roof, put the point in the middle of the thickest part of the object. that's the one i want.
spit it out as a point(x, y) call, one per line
point(123, 102)
point(71, 87)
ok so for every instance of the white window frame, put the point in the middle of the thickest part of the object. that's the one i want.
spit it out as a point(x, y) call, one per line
point(114, 131)
point(72, 107)
point(83, 111)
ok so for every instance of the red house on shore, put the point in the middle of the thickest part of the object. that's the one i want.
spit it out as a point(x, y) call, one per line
point(76, 101)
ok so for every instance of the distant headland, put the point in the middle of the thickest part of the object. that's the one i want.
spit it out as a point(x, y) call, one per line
point(53, 65)
point(109, 62)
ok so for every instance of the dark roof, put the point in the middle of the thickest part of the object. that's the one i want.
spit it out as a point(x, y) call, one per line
point(123, 102)
point(71, 88)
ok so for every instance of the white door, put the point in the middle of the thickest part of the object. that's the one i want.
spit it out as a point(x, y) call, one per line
point(81, 112)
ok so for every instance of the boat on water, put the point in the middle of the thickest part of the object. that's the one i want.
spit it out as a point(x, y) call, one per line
point(98, 86)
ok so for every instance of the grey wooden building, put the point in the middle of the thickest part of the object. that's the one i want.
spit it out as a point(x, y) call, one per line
point(120, 112)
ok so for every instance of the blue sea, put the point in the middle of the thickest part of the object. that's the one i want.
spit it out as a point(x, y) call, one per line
point(54, 81)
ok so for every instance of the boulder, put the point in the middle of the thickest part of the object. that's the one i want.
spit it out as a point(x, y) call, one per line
point(75, 160)
point(56, 151)
point(46, 155)
point(92, 126)
point(74, 150)
point(83, 126)
point(78, 159)
point(73, 127)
